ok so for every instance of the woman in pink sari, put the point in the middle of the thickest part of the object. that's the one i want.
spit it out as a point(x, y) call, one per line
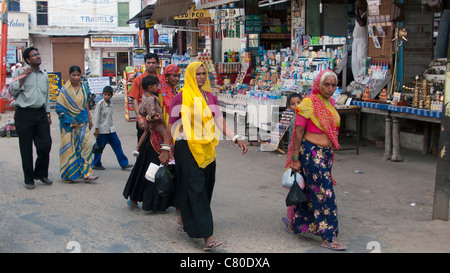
point(312, 152)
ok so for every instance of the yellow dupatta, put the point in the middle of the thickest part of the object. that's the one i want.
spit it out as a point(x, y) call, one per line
point(197, 119)
point(306, 109)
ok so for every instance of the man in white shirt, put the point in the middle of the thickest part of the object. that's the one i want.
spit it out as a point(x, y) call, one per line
point(105, 132)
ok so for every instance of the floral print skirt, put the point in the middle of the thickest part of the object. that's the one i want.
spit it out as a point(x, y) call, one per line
point(319, 214)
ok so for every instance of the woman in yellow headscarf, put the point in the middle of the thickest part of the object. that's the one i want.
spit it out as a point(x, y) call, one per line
point(194, 116)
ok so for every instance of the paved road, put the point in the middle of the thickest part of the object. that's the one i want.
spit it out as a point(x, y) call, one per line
point(248, 204)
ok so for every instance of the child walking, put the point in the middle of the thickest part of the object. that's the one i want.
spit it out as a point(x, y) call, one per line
point(105, 132)
point(150, 109)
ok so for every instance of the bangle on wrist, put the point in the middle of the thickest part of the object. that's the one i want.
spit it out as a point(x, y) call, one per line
point(235, 138)
point(295, 157)
point(166, 148)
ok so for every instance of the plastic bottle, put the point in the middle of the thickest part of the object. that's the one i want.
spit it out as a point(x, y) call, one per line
point(229, 55)
point(8, 131)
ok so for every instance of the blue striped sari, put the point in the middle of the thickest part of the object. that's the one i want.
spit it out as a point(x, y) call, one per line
point(75, 153)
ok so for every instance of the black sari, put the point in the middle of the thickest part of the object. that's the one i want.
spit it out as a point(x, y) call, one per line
point(138, 188)
point(194, 192)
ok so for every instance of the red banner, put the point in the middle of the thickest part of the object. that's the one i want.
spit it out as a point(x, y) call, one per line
point(3, 47)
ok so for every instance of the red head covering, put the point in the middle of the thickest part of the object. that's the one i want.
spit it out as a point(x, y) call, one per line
point(166, 90)
point(321, 111)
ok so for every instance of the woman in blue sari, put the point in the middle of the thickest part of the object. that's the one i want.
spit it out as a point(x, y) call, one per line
point(75, 153)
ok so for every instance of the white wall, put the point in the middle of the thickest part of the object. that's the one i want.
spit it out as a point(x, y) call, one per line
point(94, 14)
point(44, 46)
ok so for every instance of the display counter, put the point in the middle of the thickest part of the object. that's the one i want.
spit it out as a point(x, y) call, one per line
point(392, 128)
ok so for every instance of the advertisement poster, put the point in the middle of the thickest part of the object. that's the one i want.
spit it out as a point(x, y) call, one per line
point(96, 85)
point(109, 67)
point(54, 79)
point(138, 56)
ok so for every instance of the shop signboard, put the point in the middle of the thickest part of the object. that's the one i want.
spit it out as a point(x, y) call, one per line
point(55, 84)
point(204, 4)
point(112, 41)
point(146, 23)
point(138, 56)
point(193, 13)
point(11, 55)
point(82, 13)
point(18, 26)
point(96, 85)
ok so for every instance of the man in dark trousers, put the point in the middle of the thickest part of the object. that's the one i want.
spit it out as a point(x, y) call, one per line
point(32, 117)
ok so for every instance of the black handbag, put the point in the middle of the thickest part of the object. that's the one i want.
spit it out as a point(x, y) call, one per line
point(296, 195)
point(165, 180)
point(96, 149)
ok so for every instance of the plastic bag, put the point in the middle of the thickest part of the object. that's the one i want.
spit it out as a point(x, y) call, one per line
point(296, 195)
point(5, 94)
point(151, 172)
point(288, 179)
point(165, 180)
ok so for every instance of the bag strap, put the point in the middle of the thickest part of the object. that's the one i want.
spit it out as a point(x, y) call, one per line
point(21, 76)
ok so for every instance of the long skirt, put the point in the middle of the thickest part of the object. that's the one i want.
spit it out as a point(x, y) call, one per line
point(194, 192)
point(138, 188)
point(75, 152)
point(319, 214)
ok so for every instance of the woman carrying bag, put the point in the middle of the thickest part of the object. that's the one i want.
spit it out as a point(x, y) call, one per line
point(138, 188)
point(312, 152)
point(195, 113)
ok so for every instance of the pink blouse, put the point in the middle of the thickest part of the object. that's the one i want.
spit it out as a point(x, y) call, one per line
point(308, 124)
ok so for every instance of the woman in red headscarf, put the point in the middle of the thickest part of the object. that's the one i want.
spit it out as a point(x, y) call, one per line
point(311, 152)
point(169, 80)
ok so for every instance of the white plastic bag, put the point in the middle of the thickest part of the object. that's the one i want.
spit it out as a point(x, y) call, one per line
point(151, 171)
point(289, 178)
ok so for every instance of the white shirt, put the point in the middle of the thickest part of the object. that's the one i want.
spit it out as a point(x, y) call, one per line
point(103, 117)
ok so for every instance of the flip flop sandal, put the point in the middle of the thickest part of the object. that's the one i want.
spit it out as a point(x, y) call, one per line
point(180, 227)
point(133, 207)
point(90, 178)
point(333, 246)
point(212, 244)
point(287, 225)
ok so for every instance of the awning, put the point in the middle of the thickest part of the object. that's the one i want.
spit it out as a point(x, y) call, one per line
point(165, 9)
point(60, 31)
point(145, 13)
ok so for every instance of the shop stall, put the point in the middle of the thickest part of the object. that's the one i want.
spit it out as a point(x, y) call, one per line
point(129, 74)
point(279, 58)
point(408, 105)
